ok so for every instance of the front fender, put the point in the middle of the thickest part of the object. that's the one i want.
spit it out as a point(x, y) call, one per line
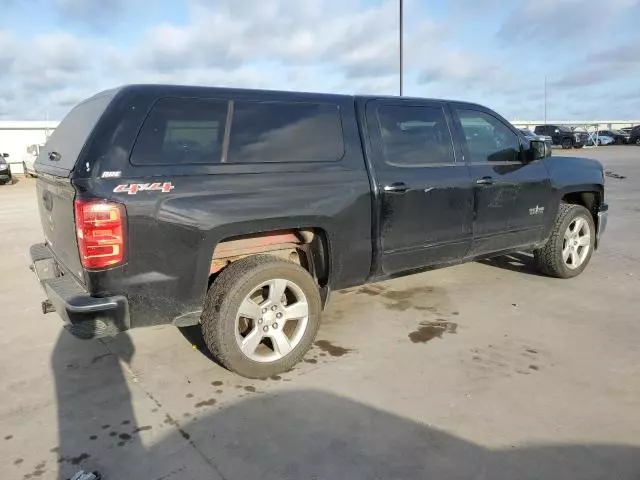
point(572, 175)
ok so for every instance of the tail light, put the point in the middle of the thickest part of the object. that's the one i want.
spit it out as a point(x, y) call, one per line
point(100, 230)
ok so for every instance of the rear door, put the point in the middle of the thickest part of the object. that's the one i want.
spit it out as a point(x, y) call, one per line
point(511, 196)
point(425, 196)
point(55, 193)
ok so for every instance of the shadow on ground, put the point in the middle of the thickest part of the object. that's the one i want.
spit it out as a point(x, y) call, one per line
point(291, 434)
point(516, 262)
point(193, 335)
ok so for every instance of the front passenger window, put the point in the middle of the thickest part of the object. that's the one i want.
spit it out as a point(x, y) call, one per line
point(488, 139)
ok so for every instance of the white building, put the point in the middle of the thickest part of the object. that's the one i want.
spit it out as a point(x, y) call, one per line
point(16, 137)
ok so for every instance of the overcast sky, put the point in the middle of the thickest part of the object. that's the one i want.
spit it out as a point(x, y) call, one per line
point(54, 53)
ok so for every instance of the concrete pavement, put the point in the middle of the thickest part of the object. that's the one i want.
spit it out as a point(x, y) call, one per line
point(485, 370)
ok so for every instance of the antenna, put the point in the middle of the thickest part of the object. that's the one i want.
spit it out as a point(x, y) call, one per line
point(545, 99)
point(401, 44)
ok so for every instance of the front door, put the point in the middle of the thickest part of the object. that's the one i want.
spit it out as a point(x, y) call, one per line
point(425, 195)
point(511, 195)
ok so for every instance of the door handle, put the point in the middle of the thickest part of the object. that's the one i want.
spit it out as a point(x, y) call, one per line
point(485, 181)
point(397, 187)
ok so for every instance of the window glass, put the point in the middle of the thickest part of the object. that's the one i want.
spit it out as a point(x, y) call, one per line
point(488, 139)
point(285, 132)
point(414, 136)
point(181, 131)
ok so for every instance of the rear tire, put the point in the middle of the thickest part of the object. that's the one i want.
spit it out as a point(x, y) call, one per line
point(567, 144)
point(272, 337)
point(570, 246)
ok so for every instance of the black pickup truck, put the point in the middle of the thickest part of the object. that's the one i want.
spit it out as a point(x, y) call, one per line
point(240, 210)
point(563, 135)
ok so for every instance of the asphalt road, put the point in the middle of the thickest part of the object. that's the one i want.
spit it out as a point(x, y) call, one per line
point(483, 371)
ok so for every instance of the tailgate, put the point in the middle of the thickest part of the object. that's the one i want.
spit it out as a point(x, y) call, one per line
point(55, 202)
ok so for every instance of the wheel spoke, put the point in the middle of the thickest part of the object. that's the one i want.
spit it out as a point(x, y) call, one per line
point(577, 226)
point(250, 309)
point(297, 310)
point(566, 253)
point(574, 257)
point(276, 290)
point(584, 241)
point(251, 341)
point(281, 342)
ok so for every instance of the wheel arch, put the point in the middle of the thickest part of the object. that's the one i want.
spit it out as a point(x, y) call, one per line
point(307, 246)
point(590, 197)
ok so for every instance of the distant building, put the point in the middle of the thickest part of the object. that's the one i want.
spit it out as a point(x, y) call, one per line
point(17, 136)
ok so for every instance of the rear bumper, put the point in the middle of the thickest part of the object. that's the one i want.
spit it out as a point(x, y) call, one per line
point(603, 215)
point(84, 316)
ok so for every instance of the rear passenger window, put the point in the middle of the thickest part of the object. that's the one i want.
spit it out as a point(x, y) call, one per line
point(285, 132)
point(182, 131)
point(414, 136)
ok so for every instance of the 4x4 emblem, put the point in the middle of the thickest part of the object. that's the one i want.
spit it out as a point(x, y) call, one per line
point(133, 188)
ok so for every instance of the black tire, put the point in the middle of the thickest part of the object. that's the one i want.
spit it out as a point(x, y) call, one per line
point(548, 259)
point(638, 141)
point(567, 143)
point(223, 302)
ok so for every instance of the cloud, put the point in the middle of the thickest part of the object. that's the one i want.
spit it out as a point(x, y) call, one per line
point(321, 45)
point(95, 13)
point(604, 66)
point(543, 22)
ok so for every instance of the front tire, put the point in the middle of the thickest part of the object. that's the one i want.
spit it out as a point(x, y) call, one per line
point(261, 316)
point(570, 246)
point(567, 144)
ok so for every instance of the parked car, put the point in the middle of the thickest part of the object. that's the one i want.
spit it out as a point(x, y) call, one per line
point(595, 139)
point(627, 130)
point(5, 170)
point(563, 135)
point(29, 159)
point(619, 137)
point(634, 136)
point(529, 135)
point(241, 210)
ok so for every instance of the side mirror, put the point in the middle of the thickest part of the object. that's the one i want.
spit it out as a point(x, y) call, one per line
point(539, 150)
point(5, 155)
